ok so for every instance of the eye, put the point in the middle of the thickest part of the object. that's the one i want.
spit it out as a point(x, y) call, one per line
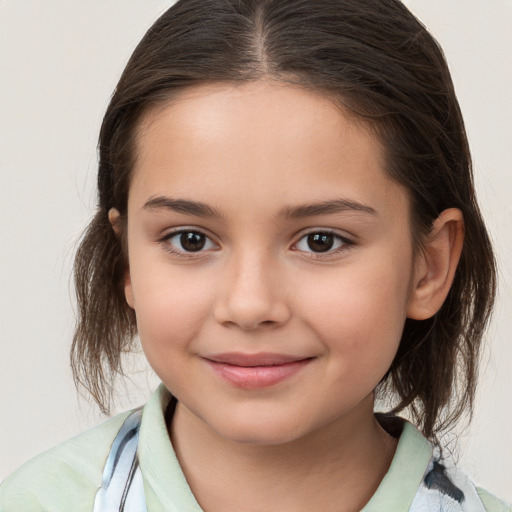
point(322, 242)
point(187, 241)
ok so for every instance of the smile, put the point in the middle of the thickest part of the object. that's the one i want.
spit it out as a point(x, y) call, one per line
point(253, 371)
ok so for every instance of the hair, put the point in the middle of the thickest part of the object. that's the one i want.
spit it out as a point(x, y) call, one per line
point(376, 61)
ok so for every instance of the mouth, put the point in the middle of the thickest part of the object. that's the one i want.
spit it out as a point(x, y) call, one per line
point(253, 371)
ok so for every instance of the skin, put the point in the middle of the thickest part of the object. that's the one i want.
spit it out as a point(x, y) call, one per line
point(252, 153)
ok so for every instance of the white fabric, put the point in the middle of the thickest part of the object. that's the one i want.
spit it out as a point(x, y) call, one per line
point(122, 487)
point(452, 492)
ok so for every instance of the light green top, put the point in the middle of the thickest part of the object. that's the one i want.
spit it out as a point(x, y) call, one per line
point(66, 478)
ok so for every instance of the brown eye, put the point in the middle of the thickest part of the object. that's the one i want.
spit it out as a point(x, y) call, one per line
point(323, 242)
point(320, 242)
point(185, 242)
point(191, 241)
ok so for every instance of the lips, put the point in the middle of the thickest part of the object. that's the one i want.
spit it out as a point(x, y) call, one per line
point(252, 371)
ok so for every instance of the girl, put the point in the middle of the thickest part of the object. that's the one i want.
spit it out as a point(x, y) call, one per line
point(287, 221)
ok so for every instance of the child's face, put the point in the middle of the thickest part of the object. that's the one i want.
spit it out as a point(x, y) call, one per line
point(293, 247)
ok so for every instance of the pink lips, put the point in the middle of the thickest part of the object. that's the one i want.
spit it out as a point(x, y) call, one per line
point(252, 371)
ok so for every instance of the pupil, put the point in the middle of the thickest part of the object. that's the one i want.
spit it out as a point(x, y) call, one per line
point(192, 242)
point(320, 242)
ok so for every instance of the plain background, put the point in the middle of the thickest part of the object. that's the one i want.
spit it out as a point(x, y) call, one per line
point(60, 61)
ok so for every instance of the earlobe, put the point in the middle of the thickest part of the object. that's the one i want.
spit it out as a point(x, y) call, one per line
point(128, 290)
point(436, 265)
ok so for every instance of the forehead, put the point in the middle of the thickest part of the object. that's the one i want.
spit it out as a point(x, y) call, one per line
point(258, 110)
point(260, 141)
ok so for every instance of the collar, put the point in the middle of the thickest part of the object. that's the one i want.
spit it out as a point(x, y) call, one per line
point(166, 487)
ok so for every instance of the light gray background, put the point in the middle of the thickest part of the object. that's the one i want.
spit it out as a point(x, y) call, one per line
point(60, 61)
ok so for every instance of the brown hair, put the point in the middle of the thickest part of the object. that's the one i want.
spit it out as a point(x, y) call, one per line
point(382, 65)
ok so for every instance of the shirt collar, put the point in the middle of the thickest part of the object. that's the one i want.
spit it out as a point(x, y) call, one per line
point(399, 486)
point(165, 484)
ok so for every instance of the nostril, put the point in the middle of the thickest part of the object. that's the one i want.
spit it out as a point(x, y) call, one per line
point(251, 325)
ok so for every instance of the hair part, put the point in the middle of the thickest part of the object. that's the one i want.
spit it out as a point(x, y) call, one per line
point(378, 62)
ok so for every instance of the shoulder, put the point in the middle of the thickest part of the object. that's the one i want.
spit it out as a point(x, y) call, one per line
point(420, 479)
point(491, 503)
point(63, 478)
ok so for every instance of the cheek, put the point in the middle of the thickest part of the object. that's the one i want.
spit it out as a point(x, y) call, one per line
point(359, 313)
point(170, 308)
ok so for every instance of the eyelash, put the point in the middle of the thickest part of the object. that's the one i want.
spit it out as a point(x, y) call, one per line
point(344, 243)
point(166, 242)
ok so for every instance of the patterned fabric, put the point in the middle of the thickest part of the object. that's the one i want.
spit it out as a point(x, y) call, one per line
point(122, 487)
point(445, 490)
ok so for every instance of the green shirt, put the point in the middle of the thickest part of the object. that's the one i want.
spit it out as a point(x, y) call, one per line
point(67, 477)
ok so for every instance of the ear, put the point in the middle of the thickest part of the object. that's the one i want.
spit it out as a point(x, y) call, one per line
point(436, 265)
point(114, 218)
point(128, 290)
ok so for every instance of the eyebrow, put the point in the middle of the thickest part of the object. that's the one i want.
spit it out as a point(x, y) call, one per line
point(182, 206)
point(326, 207)
point(200, 209)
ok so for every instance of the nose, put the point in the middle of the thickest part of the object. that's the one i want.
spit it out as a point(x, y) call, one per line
point(253, 295)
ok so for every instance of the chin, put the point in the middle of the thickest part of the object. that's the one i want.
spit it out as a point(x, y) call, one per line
point(260, 431)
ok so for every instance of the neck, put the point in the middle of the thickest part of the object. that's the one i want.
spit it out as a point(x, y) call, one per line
point(335, 468)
